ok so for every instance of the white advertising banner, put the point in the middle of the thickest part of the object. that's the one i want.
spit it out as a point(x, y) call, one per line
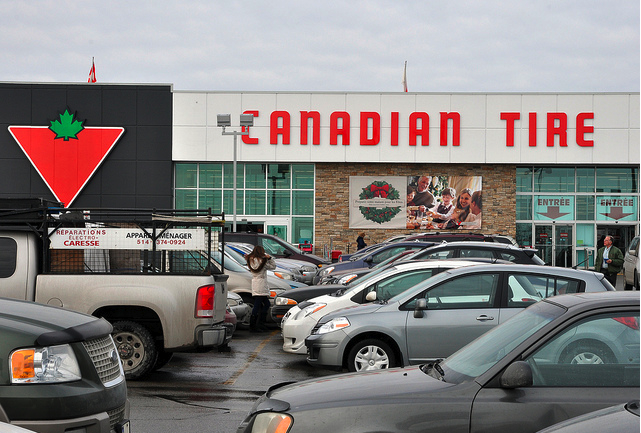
point(422, 202)
point(126, 239)
point(377, 202)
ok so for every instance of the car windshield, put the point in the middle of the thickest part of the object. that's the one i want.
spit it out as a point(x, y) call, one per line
point(238, 257)
point(389, 260)
point(413, 255)
point(481, 354)
point(375, 271)
point(364, 252)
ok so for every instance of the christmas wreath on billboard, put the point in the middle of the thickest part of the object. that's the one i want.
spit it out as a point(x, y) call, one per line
point(379, 189)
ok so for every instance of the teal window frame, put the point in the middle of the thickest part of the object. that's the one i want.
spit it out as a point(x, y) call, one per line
point(262, 190)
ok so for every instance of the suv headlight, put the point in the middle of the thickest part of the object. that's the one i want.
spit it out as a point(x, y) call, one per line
point(347, 279)
point(284, 275)
point(334, 325)
point(284, 301)
point(273, 293)
point(270, 422)
point(44, 365)
point(312, 309)
point(326, 271)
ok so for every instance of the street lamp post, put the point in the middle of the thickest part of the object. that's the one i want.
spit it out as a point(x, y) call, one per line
point(246, 120)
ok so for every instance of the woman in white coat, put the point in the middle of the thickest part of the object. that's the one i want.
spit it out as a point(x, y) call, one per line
point(259, 263)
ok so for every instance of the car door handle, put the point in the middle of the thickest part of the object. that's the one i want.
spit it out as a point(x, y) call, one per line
point(484, 318)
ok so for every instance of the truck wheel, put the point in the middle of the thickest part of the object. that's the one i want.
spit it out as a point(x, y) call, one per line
point(371, 354)
point(136, 347)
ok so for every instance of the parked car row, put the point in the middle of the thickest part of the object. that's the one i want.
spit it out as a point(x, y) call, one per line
point(484, 251)
point(431, 250)
point(437, 237)
point(452, 337)
point(380, 285)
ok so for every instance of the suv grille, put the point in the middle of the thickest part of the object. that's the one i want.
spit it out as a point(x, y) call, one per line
point(105, 358)
point(116, 416)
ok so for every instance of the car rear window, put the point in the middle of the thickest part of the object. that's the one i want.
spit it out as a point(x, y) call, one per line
point(8, 254)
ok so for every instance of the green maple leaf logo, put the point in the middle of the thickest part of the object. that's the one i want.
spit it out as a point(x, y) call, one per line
point(66, 127)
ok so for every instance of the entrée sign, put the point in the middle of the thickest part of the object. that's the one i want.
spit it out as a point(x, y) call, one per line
point(370, 128)
point(126, 239)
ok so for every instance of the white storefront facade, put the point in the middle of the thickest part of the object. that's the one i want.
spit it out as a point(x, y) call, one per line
point(573, 159)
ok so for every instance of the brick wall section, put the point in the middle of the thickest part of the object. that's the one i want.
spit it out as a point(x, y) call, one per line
point(332, 196)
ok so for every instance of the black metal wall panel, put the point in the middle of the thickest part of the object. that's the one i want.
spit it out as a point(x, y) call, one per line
point(136, 173)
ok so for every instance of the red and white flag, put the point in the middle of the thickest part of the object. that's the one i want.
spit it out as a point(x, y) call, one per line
point(92, 73)
point(405, 77)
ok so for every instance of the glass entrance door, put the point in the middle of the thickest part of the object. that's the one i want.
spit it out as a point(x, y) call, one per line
point(554, 244)
point(278, 227)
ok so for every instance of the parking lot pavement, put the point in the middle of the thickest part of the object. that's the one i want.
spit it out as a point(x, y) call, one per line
point(213, 391)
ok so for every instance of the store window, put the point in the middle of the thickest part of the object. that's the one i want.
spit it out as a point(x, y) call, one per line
point(524, 234)
point(281, 190)
point(554, 179)
point(278, 203)
point(585, 207)
point(617, 180)
point(585, 179)
point(186, 175)
point(523, 207)
point(278, 176)
point(303, 176)
point(524, 179)
point(256, 176)
point(302, 202)
point(211, 176)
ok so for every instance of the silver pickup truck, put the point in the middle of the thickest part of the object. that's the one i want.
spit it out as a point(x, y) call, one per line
point(143, 271)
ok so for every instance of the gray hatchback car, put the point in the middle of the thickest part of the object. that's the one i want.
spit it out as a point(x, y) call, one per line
point(439, 316)
point(560, 358)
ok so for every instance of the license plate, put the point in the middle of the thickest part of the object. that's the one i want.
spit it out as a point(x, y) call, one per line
point(122, 427)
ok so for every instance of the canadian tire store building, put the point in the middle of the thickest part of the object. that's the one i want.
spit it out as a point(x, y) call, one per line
point(554, 170)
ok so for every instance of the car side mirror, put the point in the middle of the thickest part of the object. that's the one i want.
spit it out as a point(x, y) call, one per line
point(421, 305)
point(371, 296)
point(368, 260)
point(517, 375)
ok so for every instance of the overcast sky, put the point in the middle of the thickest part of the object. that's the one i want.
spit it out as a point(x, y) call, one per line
point(277, 45)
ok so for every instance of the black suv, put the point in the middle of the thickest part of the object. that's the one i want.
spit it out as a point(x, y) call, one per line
point(59, 371)
point(456, 237)
point(489, 250)
point(275, 246)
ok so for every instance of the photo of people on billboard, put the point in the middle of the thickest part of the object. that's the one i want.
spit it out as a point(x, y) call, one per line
point(444, 202)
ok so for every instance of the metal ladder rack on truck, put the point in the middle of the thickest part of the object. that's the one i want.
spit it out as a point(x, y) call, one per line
point(147, 271)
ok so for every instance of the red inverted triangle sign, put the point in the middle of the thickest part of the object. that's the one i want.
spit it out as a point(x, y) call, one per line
point(66, 165)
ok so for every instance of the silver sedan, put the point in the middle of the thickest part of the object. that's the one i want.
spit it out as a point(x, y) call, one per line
point(439, 316)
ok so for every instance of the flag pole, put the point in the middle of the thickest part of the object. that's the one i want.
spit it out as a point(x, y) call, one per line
point(405, 77)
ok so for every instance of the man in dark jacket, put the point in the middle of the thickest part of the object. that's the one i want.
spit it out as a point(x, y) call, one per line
point(609, 260)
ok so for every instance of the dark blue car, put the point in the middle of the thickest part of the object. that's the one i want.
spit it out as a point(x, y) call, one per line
point(372, 257)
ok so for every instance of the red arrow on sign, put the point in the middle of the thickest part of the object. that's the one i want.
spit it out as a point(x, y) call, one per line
point(616, 212)
point(66, 165)
point(553, 212)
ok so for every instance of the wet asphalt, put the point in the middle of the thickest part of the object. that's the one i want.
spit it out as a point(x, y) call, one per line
point(214, 391)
